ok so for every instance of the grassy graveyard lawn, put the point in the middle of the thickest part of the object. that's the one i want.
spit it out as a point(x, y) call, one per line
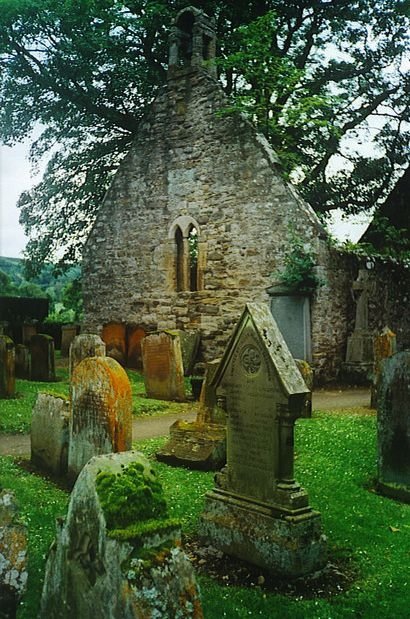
point(369, 536)
point(15, 413)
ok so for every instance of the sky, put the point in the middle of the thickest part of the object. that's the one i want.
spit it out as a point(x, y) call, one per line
point(15, 177)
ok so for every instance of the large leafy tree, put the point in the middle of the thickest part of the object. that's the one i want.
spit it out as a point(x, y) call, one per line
point(324, 79)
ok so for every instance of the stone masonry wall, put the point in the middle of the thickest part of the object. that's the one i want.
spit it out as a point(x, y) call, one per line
point(188, 160)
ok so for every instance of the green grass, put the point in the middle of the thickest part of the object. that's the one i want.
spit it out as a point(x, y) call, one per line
point(15, 413)
point(336, 462)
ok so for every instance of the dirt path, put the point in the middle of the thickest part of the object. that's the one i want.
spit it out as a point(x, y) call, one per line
point(150, 427)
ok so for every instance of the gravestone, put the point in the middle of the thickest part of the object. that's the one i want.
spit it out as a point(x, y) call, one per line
point(13, 555)
point(28, 330)
point(68, 333)
point(7, 367)
point(122, 558)
point(22, 362)
point(114, 337)
point(292, 315)
point(358, 366)
point(135, 335)
point(163, 367)
point(42, 358)
point(307, 374)
point(101, 411)
point(83, 346)
point(257, 511)
point(384, 346)
point(393, 427)
point(50, 433)
point(200, 444)
point(190, 341)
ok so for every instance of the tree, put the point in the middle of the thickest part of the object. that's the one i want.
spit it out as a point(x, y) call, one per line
point(314, 75)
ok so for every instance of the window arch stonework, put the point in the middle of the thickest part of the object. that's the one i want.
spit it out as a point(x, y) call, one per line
point(187, 255)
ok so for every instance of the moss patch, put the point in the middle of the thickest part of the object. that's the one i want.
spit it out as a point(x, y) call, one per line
point(132, 496)
point(137, 532)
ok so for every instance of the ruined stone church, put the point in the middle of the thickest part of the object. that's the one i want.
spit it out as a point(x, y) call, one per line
point(197, 221)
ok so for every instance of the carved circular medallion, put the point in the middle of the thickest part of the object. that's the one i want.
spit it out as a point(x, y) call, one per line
point(251, 359)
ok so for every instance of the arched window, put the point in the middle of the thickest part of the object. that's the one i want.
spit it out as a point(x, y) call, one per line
point(179, 242)
point(193, 258)
point(184, 236)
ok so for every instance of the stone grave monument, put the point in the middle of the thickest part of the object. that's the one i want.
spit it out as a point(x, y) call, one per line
point(135, 335)
point(22, 362)
point(163, 366)
point(42, 358)
point(101, 417)
point(358, 367)
point(200, 444)
point(50, 433)
point(83, 346)
point(118, 558)
point(13, 555)
point(68, 333)
point(7, 367)
point(257, 511)
point(384, 346)
point(114, 337)
point(393, 427)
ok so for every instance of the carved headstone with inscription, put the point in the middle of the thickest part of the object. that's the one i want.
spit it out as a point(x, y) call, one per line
point(101, 411)
point(393, 427)
point(163, 367)
point(257, 511)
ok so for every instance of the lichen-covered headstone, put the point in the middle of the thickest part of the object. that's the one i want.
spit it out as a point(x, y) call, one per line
point(114, 337)
point(83, 346)
point(257, 511)
point(118, 555)
point(200, 444)
point(68, 333)
point(50, 433)
point(7, 367)
point(393, 427)
point(163, 367)
point(22, 362)
point(42, 358)
point(13, 555)
point(384, 346)
point(101, 411)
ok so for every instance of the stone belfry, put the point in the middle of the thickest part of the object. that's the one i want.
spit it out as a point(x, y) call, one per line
point(192, 41)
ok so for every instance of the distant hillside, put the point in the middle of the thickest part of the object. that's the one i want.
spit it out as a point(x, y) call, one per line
point(46, 282)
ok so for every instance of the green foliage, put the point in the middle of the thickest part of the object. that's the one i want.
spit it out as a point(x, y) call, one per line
point(131, 496)
point(299, 272)
point(314, 76)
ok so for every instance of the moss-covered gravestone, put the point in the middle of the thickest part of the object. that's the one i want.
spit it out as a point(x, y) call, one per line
point(118, 555)
point(101, 411)
point(42, 358)
point(257, 511)
point(7, 367)
point(163, 366)
point(393, 427)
